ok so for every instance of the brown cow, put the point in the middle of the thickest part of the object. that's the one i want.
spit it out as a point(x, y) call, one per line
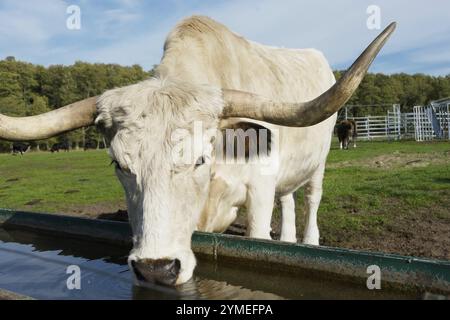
point(347, 129)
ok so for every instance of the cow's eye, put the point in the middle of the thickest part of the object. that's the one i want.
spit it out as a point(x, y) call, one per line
point(200, 161)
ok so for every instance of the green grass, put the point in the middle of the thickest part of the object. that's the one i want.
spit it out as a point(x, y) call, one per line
point(61, 180)
point(58, 182)
point(357, 197)
point(362, 198)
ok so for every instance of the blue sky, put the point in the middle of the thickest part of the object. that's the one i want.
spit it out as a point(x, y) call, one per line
point(133, 31)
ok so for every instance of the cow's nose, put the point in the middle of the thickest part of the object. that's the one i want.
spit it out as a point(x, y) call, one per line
point(161, 271)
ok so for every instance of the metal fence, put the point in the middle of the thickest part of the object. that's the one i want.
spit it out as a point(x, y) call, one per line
point(423, 124)
point(432, 122)
point(379, 127)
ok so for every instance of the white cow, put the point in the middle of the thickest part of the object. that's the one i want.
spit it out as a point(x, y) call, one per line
point(212, 76)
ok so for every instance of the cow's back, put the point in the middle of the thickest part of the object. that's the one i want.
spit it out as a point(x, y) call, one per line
point(204, 51)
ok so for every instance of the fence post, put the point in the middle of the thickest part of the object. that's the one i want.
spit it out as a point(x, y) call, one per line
point(398, 115)
point(416, 123)
point(448, 120)
point(387, 127)
point(419, 114)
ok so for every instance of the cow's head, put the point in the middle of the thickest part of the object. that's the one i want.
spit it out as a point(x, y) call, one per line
point(148, 126)
point(165, 197)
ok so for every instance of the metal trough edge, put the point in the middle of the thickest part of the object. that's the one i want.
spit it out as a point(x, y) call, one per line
point(396, 270)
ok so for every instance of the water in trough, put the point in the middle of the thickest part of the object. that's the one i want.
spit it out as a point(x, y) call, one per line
point(36, 265)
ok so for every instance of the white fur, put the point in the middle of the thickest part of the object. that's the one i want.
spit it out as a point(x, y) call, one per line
point(167, 202)
point(288, 230)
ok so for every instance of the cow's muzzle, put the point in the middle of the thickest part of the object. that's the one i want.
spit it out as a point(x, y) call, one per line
point(161, 271)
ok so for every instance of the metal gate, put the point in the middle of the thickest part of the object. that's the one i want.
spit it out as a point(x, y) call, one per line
point(380, 127)
point(432, 122)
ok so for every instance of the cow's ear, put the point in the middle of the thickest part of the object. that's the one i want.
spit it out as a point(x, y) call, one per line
point(245, 140)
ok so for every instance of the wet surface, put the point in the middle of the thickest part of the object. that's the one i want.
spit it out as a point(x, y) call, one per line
point(36, 265)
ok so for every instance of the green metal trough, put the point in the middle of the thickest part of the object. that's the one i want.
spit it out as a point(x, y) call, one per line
point(396, 271)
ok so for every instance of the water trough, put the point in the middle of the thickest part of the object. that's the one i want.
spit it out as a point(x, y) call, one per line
point(402, 277)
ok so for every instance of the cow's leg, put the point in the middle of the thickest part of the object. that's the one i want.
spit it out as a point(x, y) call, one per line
point(260, 199)
point(288, 229)
point(313, 195)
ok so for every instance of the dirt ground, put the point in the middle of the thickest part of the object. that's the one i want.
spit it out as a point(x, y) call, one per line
point(396, 160)
point(429, 238)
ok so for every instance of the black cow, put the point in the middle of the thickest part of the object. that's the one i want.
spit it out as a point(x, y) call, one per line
point(20, 148)
point(347, 130)
point(60, 146)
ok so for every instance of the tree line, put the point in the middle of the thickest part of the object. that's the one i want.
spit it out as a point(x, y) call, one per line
point(27, 89)
point(403, 89)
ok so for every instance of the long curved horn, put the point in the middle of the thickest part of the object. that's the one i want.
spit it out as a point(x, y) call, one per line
point(47, 125)
point(239, 104)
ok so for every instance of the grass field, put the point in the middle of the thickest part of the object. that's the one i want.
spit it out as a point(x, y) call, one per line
point(384, 196)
